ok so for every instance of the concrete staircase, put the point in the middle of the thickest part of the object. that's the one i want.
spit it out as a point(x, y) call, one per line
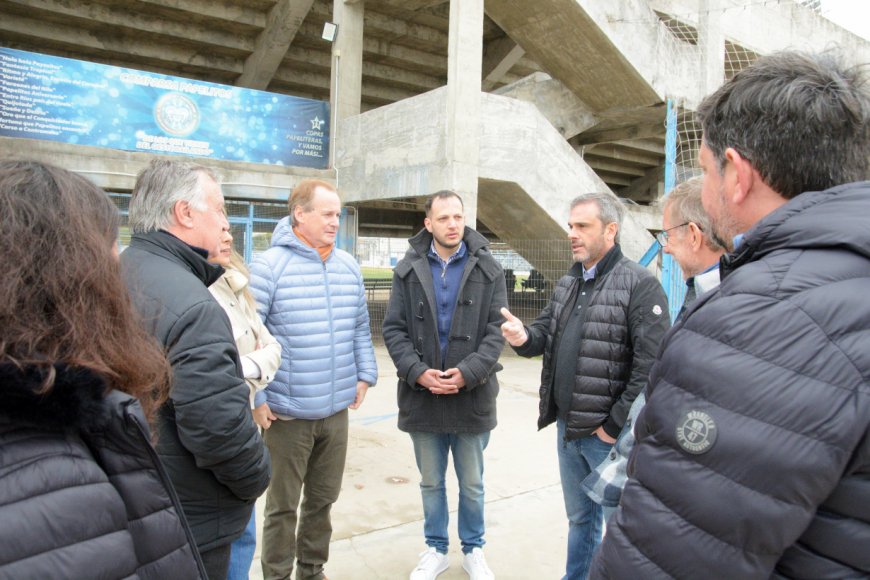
point(528, 173)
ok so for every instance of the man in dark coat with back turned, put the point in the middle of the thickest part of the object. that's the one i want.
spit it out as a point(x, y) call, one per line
point(753, 454)
point(207, 437)
point(442, 331)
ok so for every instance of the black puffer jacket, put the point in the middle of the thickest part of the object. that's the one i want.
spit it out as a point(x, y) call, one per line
point(207, 437)
point(411, 336)
point(624, 323)
point(752, 456)
point(82, 493)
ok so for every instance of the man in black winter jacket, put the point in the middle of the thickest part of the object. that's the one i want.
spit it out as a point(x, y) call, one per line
point(753, 453)
point(207, 438)
point(599, 335)
point(442, 331)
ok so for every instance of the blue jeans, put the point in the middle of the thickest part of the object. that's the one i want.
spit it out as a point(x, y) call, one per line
point(242, 551)
point(577, 459)
point(430, 451)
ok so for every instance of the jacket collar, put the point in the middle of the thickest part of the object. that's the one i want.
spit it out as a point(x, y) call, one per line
point(75, 401)
point(235, 280)
point(605, 265)
point(833, 218)
point(283, 235)
point(162, 243)
point(476, 245)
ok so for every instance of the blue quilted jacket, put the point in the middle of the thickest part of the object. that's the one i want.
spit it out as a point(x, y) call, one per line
point(317, 311)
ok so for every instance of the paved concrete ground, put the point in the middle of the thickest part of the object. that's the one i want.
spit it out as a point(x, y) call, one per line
point(378, 520)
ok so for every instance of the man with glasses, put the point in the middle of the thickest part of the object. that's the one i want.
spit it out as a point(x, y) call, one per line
point(691, 241)
point(753, 453)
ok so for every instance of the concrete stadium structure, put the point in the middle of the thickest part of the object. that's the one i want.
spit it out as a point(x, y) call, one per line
point(517, 104)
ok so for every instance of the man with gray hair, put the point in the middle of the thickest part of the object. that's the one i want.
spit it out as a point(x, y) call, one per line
point(688, 237)
point(207, 437)
point(599, 335)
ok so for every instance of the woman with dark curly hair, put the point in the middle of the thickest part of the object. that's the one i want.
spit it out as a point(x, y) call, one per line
point(82, 492)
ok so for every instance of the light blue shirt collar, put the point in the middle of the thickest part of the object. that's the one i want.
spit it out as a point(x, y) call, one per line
point(459, 253)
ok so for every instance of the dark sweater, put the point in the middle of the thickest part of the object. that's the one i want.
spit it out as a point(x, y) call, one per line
point(568, 339)
point(446, 279)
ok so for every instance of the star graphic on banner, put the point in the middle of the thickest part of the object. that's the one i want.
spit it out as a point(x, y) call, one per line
point(317, 123)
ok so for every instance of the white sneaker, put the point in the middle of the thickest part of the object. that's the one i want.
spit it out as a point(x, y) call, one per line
point(475, 564)
point(432, 562)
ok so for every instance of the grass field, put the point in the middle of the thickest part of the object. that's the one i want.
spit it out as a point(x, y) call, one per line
point(370, 273)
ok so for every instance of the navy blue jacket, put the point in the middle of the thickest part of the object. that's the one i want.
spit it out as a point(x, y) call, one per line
point(753, 451)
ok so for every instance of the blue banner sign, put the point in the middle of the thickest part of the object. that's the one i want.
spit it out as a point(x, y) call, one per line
point(84, 103)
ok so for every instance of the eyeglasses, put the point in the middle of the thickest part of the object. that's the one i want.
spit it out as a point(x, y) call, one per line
point(662, 236)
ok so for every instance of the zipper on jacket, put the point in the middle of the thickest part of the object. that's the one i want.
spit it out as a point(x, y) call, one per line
point(331, 337)
point(170, 489)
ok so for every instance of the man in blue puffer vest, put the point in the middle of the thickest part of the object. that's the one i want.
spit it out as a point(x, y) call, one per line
point(312, 299)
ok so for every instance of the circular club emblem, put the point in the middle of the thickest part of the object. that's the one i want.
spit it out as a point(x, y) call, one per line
point(176, 114)
point(696, 432)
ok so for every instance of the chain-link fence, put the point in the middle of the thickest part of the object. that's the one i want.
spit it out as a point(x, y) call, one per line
point(528, 288)
point(736, 58)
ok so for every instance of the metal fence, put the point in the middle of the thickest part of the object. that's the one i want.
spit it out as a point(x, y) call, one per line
point(531, 269)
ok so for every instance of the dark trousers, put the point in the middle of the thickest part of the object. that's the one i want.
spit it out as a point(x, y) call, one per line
point(308, 463)
point(216, 562)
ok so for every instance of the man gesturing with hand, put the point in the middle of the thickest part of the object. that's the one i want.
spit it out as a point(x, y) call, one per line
point(599, 335)
point(513, 329)
point(442, 332)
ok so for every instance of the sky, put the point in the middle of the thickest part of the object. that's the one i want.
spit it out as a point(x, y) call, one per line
point(853, 15)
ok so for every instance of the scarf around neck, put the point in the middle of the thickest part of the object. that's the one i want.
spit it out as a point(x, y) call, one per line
point(324, 251)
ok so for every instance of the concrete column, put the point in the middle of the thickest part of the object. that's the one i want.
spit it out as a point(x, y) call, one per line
point(464, 66)
point(346, 87)
point(345, 91)
point(711, 41)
